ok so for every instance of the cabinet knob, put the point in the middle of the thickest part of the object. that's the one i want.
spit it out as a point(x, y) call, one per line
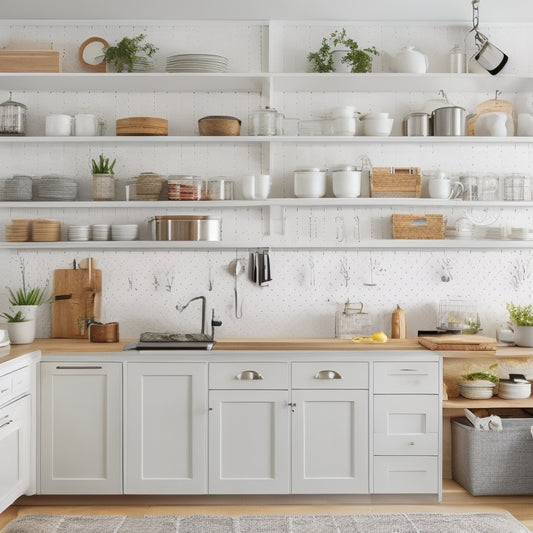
point(292, 405)
point(327, 374)
point(249, 375)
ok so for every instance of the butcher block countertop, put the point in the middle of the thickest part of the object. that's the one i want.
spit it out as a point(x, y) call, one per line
point(66, 346)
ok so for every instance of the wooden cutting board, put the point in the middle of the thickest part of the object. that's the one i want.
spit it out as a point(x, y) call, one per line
point(76, 299)
point(459, 342)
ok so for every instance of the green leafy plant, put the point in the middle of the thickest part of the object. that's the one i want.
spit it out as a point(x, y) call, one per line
point(488, 376)
point(17, 317)
point(125, 52)
point(359, 59)
point(472, 325)
point(103, 166)
point(27, 295)
point(521, 315)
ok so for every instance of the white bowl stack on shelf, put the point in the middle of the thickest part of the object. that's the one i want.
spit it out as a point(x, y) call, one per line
point(79, 233)
point(124, 232)
point(521, 234)
point(101, 232)
point(480, 389)
point(495, 232)
point(196, 63)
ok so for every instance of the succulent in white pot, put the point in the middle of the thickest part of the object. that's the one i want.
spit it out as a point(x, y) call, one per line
point(19, 329)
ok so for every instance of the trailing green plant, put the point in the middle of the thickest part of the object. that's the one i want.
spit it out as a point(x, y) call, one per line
point(103, 165)
point(359, 59)
point(27, 295)
point(17, 317)
point(521, 315)
point(125, 52)
point(488, 376)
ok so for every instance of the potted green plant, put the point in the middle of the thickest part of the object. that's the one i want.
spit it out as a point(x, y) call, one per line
point(479, 384)
point(522, 318)
point(129, 51)
point(339, 53)
point(103, 186)
point(20, 329)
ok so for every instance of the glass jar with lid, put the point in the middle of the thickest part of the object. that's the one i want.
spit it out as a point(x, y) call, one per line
point(266, 121)
point(12, 117)
point(352, 321)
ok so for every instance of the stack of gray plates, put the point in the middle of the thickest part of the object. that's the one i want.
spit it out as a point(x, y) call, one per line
point(18, 188)
point(57, 188)
point(196, 63)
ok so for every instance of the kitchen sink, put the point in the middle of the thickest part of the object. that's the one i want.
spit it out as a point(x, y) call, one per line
point(171, 341)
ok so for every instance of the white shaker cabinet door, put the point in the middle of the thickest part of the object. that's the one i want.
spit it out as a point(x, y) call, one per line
point(330, 441)
point(81, 428)
point(249, 442)
point(166, 428)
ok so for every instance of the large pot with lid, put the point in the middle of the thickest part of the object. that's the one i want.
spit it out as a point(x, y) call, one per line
point(449, 121)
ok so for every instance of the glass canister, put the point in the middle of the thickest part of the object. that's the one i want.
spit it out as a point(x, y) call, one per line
point(266, 121)
point(12, 118)
point(352, 321)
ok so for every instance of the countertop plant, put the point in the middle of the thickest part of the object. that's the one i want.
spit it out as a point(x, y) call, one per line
point(521, 315)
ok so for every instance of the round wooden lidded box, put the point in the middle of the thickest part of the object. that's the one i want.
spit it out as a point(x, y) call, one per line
point(142, 126)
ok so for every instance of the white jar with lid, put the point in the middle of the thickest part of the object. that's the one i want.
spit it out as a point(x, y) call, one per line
point(344, 120)
point(266, 121)
point(346, 181)
point(310, 183)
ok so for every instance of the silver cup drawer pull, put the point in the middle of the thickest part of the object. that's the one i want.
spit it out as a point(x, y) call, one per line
point(249, 375)
point(328, 374)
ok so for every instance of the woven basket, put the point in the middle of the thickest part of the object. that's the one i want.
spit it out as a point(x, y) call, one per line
point(400, 182)
point(219, 125)
point(418, 226)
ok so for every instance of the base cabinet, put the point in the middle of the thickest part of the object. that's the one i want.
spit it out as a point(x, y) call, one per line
point(81, 428)
point(165, 428)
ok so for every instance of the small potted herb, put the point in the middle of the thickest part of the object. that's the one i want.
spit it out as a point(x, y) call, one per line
point(339, 53)
point(129, 51)
point(19, 328)
point(103, 186)
point(522, 318)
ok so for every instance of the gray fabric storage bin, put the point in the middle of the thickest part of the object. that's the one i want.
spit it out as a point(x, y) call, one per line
point(493, 462)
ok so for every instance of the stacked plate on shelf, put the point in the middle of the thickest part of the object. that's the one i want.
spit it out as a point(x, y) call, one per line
point(196, 63)
point(79, 233)
point(521, 234)
point(124, 232)
point(496, 232)
point(46, 230)
point(18, 188)
point(18, 231)
point(142, 64)
point(101, 232)
point(57, 188)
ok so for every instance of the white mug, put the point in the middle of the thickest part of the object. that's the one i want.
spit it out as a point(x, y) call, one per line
point(256, 187)
point(86, 125)
point(443, 188)
point(58, 125)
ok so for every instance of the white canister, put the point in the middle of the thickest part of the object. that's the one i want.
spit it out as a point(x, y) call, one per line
point(346, 181)
point(256, 187)
point(58, 125)
point(310, 183)
point(86, 125)
point(344, 120)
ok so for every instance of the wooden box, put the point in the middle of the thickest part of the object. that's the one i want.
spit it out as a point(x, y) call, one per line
point(418, 226)
point(30, 61)
point(399, 182)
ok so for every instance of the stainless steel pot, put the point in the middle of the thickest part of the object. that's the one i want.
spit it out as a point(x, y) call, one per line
point(417, 124)
point(448, 121)
point(186, 228)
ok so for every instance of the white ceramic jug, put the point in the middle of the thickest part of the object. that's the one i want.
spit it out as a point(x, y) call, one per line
point(410, 60)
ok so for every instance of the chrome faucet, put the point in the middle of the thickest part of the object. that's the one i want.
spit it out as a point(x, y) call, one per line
point(181, 308)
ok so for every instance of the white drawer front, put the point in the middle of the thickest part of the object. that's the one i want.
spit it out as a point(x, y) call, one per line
point(21, 381)
point(330, 375)
point(5, 388)
point(251, 375)
point(406, 425)
point(406, 377)
point(406, 475)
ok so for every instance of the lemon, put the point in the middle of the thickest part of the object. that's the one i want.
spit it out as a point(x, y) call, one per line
point(379, 336)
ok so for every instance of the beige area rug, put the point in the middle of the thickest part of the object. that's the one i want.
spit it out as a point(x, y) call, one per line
point(370, 523)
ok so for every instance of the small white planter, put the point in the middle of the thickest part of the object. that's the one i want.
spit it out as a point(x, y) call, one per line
point(21, 332)
point(523, 336)
point(338, 65)
point(29, 311)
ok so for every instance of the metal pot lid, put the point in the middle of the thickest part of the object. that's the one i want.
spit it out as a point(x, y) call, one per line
point(448, 107)
point(516, 379)
point(345, 168)
point(266, 110)
point(420, 114)
point(311, 170)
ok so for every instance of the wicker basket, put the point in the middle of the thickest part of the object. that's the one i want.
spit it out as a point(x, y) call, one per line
point(418, 226)
point(219, 125)
point(400, 182)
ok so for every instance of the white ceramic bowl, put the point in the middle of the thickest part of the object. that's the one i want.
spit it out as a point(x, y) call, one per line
point(513, 390)
point(480, 389)
point(377, 127)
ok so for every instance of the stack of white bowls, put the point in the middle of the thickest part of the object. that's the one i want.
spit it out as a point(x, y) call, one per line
point(79, 233)
point(377, 124)
point(480, 389)
point(124, 232)
point(101, 232)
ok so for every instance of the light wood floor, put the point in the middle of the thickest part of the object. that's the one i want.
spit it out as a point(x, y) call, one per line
point(455, 500)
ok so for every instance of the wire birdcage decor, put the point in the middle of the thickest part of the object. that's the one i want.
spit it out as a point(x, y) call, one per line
point(458, 316)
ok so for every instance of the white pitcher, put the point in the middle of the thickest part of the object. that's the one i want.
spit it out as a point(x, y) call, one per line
point(410, 60)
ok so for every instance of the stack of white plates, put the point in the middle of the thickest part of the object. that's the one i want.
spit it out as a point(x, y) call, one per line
point(142, 64)
point(101, 232)
point(521, 234)
point(57, 188)
point(124, 232)
point(495, 233)
point(18, 188)
point(480, 389)
point(79, 233)
point(196, 63)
